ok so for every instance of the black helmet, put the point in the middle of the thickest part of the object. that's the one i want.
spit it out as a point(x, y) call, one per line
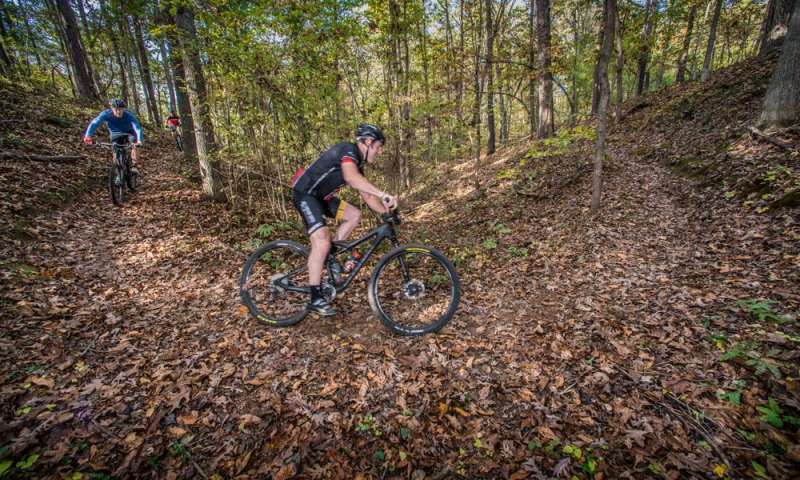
point(368, 130)
point(117, 103)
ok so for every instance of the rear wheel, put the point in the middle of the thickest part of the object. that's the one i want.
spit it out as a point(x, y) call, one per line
point(274, 283)
point(414, 290)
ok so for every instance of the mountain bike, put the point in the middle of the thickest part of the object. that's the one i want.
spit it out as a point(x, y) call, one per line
point(176, 135)
point(119, 173)
point(414, 289)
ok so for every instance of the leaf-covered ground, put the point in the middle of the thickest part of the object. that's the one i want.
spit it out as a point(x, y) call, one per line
point(657, 340)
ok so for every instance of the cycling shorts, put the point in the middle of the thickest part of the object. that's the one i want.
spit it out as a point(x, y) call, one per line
point(314, 210)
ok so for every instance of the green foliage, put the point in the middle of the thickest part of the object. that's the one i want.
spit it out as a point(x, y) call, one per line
point(763, 311)
point(27, 462)
point(759, 469)
point(489, 244)
point(517, 252)
point(773, 414)
point(179, 450)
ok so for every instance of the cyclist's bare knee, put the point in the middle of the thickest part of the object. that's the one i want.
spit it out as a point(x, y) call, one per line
point(320, 241)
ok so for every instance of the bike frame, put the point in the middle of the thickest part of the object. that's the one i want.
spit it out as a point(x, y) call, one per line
point(377, 235)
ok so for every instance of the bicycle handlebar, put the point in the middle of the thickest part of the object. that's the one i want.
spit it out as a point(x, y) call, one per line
point(126, 146)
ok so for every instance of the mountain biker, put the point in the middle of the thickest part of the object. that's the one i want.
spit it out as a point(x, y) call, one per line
point(120, 122)
point(173, 121)
point(312, 195)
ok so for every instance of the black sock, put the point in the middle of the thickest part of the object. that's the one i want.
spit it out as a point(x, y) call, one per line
point(316, 292)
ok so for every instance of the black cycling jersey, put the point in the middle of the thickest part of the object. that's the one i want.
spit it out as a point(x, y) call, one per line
point(324, 176)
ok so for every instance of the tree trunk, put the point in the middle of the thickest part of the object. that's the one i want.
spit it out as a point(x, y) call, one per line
point(167, 72)
point(618, 66)
point(776, 20)
point(5, 59)
point(532, 111)
point(182, 100)
point(476, 113)
point(196, 86)
point(546, 120)
point(712, 39)
point(596, 77)
point(687, 41)
point(490, 137)
point(602, 109)
point(642, 79)
point(144, 69)
point(782, 101)
point(83, 79)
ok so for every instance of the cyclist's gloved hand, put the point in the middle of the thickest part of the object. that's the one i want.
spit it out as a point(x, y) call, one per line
point(88, 140)
point(389, 201)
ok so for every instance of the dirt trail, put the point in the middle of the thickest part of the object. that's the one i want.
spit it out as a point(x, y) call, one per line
point(131, 350)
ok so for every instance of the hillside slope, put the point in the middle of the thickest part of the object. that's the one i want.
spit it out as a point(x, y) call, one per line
point(635, 344)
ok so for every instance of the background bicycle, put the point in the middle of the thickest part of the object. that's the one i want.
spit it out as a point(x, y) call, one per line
point(414, 289)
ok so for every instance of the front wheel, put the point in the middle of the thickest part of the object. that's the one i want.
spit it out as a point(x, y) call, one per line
point(274, 283)
point(116, 183)
point(131, 178)
point(179, 142)
point(414, 290)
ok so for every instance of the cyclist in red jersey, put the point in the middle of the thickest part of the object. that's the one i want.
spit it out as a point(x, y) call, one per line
point(312, 195)
point(173, 121)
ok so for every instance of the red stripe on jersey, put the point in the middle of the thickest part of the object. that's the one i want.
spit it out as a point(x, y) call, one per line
point(349, 159)
point(297, 175)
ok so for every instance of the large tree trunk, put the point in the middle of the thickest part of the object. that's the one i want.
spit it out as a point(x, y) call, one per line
point(602, 108)
point(546, 120)
point(162, 45)
point(182, 100)
point(83, 79)
point(687, 40)
point(782, 102)
point(144, 66)
point(618, 66)
point(490, 137)
point(196, 86)
point(532, 111)
point(712, 40)
point(476, 112)
point(776, 20)
point(642, 79)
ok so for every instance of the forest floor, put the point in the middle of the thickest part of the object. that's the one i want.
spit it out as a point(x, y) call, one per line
point(658, 339)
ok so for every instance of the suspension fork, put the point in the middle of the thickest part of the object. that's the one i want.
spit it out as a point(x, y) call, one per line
point(403, 266)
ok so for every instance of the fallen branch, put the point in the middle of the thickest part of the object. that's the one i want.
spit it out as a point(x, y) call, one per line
point(769, 139)
point(40, 158)
point(687, 419)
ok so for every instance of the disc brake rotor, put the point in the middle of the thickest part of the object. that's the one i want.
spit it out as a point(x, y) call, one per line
point(413, 289)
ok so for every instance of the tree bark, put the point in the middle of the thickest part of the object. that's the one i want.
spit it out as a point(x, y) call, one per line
point(490, 136)
point(602, 109)
point(167, 72)
point(782, 101)
point(144, 69)
point(83, 79)
point(618, 66)
point(532, 111)
point(776, 21)
point(642, 79)
point(546, 121)
point(687, 41)
point(196, 87)
point(182, 101)
point(712, 39)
